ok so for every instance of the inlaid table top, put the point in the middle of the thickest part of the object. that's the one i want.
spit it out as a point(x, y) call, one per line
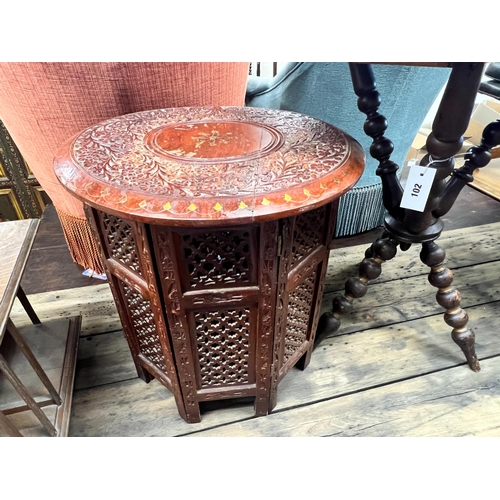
point(209, 165)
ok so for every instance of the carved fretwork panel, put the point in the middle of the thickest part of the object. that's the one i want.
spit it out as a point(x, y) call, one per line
point(224, 347)
point(308, 234)
point(304, 255)
point(300, 303)
point(217, 258)
point(120, 242)
point(143, 322)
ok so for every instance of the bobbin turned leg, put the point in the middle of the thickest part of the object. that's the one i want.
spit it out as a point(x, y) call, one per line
point(449, 298)
point(383, 249)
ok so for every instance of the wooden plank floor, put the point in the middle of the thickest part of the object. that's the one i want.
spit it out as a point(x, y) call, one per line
point(391, 370)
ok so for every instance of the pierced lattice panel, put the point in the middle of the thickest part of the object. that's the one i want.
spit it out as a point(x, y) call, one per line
point(308, 233)
point(300, 302)
point(143, 322)
point(120, 241)
point(223, 345)
point(217, 258)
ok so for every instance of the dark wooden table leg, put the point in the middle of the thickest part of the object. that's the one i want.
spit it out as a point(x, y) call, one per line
point(441, 277)
point(384, 249)
point(442, 144)
point(449, 297)
point(27, 306)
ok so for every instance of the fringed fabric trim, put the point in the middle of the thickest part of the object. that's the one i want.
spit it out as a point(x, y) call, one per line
point(360, 210)
point(81, 243)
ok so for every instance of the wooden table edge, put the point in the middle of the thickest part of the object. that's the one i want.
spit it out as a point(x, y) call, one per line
point(17, 273)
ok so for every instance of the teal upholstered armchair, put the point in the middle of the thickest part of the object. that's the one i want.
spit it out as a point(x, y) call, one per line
point(324, 91)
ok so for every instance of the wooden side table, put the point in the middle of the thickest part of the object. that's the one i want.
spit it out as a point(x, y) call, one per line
point(37, 364)
point(407, 223)
point(215, 226)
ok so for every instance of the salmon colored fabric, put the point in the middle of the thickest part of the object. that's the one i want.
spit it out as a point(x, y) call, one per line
point(44, 104)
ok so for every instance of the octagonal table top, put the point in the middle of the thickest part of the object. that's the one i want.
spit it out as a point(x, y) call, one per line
point(209, 165)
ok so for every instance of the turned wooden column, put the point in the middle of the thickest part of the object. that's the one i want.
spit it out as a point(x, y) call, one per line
point(403, 226)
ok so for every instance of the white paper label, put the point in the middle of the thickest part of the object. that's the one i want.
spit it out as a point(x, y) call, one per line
point(417, 188)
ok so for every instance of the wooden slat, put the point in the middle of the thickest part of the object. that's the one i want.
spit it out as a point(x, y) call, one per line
point(453, 402)
point(63, 411)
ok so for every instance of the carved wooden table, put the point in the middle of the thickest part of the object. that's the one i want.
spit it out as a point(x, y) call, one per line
point(214, 225)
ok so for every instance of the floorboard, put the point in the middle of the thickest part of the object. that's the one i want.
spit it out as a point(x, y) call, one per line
point(445, 403)
point(95, 304)
point(50, 266)
point(103, 359)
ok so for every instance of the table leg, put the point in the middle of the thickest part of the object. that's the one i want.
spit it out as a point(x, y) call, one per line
point(449, 298)
point(18, 338)
point(27, 306)
point(384, 249)
point(23, 392)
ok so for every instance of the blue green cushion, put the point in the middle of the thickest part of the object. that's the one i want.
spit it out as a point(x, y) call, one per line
point(324, 91)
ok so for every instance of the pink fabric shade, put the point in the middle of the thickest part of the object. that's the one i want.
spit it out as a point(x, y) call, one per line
point(44, 104)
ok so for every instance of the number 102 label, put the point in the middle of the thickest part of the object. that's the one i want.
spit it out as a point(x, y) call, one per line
point(418, 187)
